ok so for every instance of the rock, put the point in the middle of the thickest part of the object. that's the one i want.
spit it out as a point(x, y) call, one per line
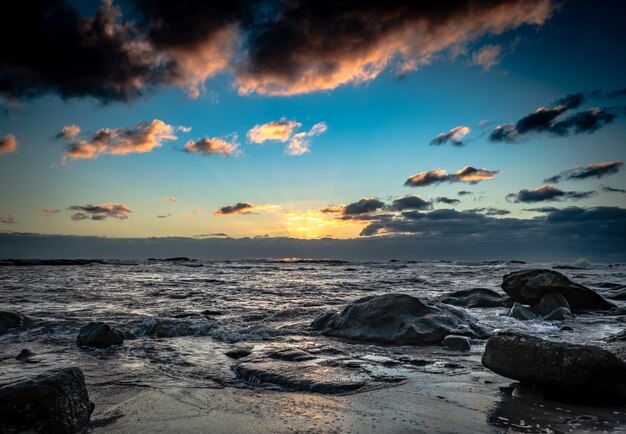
point(10, 320)
point(54, 402)
point(398, 319)
point(457, 343)
point(238, 353)
point(529, 286)
point(619, 337)
point(549, 303)
point(99, 335)
point(25, 355)
point(301, 377)
point(522, 313)
point(560, 314)
point(475, 297)
point(290, 355)
point(565, 369)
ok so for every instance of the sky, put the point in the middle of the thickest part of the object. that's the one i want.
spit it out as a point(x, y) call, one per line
point(425, 126)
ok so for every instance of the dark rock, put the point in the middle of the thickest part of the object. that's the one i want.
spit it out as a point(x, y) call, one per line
point(475, 297)
point(619, 337)
point(457, 343)
point(177, 259)
point(54, 402)
point(580, 370)
point(549, 303)
point(99, 335)
point(10, 320)
point(25, 355)
point(560, 314)
point(566, 329)
point(399, 319)
point(522, 313)
point(238, 353)
point(529, 286)
point(302, 377)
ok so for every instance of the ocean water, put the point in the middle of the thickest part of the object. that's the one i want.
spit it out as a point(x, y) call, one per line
point(181, 317)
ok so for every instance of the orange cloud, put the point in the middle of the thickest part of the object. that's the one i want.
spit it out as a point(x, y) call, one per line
point(487, 56)
point(68, 132)
point(276, 130)
point(169, 199)
point(122, 141)
point(338, 57)
point(213, 146)
point(8, 144)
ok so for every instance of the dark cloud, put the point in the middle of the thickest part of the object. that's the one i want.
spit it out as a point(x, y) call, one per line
point(437, 176)
point(619, 93)
point(446, 200)
point(100, 212)
point(594, 170)
point(239, 208)
point(607, 189)
point(464, 193)
point(492, 211)
point(454, 136)
point(547, 193)
point(332, 209)
point(270, 47)
point(9, 219)
point(598, 234)
point(363, 206)
point(549, 120)
point(410, 202)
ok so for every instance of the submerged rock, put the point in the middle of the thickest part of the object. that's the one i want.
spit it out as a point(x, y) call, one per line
point(54, 402)
point(475, 297)
point(549, 303)
point(522, 313)
point(560, 314)
point(457, 343)
point(399, 319)
point(301, 377)
point(565, 369)
point(25, 355)
point(529, 287)
point(99, 335)
point(238, 353)
point(10, 320)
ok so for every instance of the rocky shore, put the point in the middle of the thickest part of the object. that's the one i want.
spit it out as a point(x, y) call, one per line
point(418, 335)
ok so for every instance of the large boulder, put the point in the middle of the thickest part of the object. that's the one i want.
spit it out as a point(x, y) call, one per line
point(529, 287)
point(475, 297)
point(99, 335)
point(566, 369)
point(54, 402)
point(399, 319)
point(10, 320)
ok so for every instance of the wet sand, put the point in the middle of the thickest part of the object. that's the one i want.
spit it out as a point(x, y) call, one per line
point(478, 401)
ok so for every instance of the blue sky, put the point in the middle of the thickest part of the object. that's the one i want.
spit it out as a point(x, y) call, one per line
point(378, 134)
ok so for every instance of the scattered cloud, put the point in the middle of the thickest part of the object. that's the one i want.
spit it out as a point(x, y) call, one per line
point(169, 199)
point(285, 131)
point(464, 193)
point(164, 216)
point(8, 144)
point(454, 136)
point(549, 120)
point(121, 141)
point(490, 211)
point(333, 209)
point(242, 208)
point(286, 49)
point(547, 193)
point(487, 57)
point(363, 206)
point(68, 132)
point(281, 131)
point(9, 219)
point(411, 202)
point(446, 200)
point(594, 170)
point(607, 189)
point(103, 211)
point(48, 211)
point(213, 146)
point(438, 176)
